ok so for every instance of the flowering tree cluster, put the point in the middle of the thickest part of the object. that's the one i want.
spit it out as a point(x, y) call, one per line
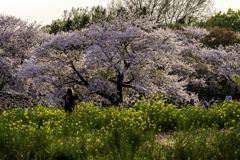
point(118, 61)
point(17, 38)
point(110, 60)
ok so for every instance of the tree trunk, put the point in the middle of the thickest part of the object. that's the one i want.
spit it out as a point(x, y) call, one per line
point(119, 88)
point(236, 93)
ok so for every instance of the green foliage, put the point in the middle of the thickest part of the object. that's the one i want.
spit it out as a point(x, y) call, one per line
point(67, 25)
point(77, 19)
point(229, 21)
point(55, 27)
point(236, 79)
point(80, 21)
point(219, 37)
point(98, 13)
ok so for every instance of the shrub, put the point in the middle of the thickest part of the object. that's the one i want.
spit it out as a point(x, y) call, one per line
point(219, 37)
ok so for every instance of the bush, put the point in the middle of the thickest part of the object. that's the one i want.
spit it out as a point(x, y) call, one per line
point(219, 37)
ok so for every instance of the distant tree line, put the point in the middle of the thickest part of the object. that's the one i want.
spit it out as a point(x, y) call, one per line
point(163, 13)
point(76, 19)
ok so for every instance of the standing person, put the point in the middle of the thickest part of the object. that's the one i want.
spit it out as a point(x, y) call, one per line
point(217, 101)
point(130, 105)
point(3, 109)
point(184, 102)
point(192, 102)
point(69, 98)
point(99, 104)
point(26, 108)
point(228, 97)
point(119, 105)
point(205, 103)
point(211, 102)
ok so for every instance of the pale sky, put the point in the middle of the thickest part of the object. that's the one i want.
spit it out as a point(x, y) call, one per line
point(44, 11)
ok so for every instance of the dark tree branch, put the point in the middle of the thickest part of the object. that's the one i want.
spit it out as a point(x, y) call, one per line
point(79, 75)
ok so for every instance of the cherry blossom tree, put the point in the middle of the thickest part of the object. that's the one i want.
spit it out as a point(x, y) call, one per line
point(110, 60)
point(17, 38)
point(214, 67)
point(223, 63)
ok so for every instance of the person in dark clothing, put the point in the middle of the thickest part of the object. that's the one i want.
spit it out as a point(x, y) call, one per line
point(205, 103)
point(69, 98)
point(129, 105)
point(192, 102)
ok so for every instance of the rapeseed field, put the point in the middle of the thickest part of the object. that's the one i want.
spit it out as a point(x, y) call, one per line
point(149, 130)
